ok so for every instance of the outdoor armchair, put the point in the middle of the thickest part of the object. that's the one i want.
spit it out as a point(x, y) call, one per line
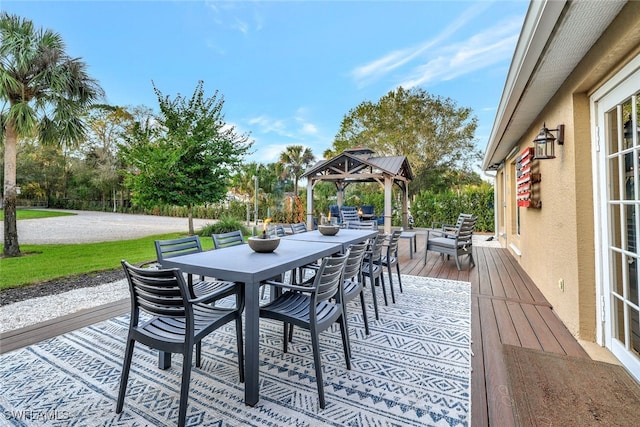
point(176, 323)
point(390, 259)
point(314, 306)
point(455, 241)
point(372, 268)
point(353, 285)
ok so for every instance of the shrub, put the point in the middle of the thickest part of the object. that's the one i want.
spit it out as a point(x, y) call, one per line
point(223, 225)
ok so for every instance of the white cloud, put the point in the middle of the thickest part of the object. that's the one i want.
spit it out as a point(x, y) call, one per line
point(267, 125)
point(441, 59)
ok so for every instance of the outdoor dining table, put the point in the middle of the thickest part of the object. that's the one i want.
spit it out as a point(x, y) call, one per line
point(345, 237)
point(241, 264)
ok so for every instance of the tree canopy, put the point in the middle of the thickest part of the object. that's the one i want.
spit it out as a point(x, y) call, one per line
point(184, 156)
point(295, 159)
point(433, 132)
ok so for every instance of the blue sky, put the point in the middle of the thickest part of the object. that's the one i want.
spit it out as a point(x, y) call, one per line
point(290, 70)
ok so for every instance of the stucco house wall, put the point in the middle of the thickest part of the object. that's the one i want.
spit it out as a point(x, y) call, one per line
point(555, 244)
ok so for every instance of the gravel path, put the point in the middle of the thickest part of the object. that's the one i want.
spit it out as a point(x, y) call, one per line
point(86, 227)
point(29, 305)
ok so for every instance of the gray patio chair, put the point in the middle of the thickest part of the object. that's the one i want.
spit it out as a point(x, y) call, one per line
point(299, 227)
point(223, 240)
point(353, 285)
point(349, 214)
point(453, 241)
point(314, 306)
point(277, 230)
point(390, 259)
point(372, 269)
point(178, 322)
point(211, 290)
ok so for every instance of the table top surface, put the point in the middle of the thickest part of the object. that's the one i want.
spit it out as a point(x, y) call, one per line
point(241, 264)
point(344, 237)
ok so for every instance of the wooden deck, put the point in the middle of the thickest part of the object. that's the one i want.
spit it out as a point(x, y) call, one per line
point(507, 308)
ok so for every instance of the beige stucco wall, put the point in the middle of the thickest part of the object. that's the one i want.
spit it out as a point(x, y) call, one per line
point(557, 241)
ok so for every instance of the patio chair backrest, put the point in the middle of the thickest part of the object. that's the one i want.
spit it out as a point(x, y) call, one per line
point(299, 227)
point(394, 238)
point(349, 214)
point(277, 230)
point(377, 245)
point(464, 233)
point(161, 293)
point(328, 279)
point(353, 266)
point(223, 240)
point(362, 225)
point(176, 247)
point(367, 209)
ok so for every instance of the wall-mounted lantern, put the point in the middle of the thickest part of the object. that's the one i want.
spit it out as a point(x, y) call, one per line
point(544, 143)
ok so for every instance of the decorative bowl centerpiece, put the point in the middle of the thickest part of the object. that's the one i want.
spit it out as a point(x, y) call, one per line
point(328, 230)
point(264, 243)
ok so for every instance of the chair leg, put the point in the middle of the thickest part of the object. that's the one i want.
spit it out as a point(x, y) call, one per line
point(471, 260)
point(315, 344)
point(457, 262)
point(124, 376)
point(375, 298)
point(383, 286)
point(364, 313)
point(198, 354)
point(285, 336)
point(346, 345)
point(393, 294)
point(399, 278)
point(184, 388)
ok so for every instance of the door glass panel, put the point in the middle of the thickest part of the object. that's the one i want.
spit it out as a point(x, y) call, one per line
point(623, 142)
point(618, 317)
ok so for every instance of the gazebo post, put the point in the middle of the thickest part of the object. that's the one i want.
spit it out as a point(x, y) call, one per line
point(388, 184)
point(405, 208)
point(309, 204)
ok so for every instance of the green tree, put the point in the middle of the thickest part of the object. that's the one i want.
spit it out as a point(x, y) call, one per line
point(295, 159)
point(109, 126)
point(185, 156)
point(43, 91)
point(433, 132)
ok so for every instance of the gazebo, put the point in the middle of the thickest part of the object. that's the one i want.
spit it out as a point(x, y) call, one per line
point(360, 165)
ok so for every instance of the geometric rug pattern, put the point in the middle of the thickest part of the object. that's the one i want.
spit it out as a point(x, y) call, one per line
point(413, 370)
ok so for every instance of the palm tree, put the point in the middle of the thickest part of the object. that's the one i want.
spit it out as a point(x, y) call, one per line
point(295, 159)
point(42, 91)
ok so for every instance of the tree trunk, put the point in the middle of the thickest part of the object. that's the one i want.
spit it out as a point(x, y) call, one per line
point(190, 214)
point(11, 247)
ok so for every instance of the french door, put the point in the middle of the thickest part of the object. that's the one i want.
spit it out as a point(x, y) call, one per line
point(617, 136)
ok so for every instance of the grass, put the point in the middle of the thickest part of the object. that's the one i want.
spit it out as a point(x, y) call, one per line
point(34, 213)
point(41, 263)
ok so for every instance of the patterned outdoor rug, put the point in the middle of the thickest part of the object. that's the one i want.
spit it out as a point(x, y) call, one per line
point(414, 369)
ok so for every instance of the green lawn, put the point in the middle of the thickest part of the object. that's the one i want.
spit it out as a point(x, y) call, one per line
point(34, 213)
point(46, 262)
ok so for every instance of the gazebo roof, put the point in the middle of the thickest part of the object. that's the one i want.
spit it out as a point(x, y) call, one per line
point(359, 165)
